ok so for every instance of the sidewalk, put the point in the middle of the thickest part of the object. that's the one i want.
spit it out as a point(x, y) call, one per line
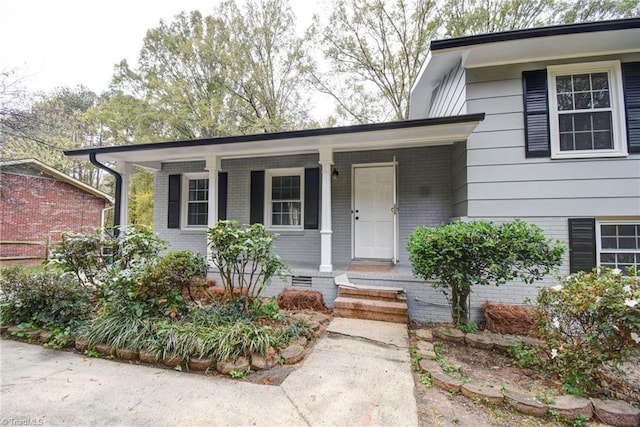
point(359, 373)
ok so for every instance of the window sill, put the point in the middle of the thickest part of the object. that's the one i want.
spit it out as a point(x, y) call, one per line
point(286, 232)
point(558, 156)
point(193, 230)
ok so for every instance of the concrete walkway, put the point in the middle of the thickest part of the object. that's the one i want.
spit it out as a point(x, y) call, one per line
point(359, 373)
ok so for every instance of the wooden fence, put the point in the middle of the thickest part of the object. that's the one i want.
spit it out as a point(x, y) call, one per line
point(28, 259)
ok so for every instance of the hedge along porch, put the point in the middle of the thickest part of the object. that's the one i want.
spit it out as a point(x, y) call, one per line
point(334, 195)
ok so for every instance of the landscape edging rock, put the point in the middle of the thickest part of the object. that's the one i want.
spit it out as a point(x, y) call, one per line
point(617, 413)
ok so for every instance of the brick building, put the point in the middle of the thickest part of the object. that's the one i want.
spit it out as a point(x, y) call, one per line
point(37, 203)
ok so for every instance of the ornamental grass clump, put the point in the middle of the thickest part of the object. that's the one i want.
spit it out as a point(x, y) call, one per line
point(591, 323)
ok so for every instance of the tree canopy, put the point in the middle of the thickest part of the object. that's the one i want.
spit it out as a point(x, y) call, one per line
point(242, 69)
point(236, 71)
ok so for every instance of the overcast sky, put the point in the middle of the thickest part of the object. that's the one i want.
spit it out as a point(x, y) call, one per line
point(57, 43)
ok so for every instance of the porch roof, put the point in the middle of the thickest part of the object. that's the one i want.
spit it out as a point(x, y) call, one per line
point(399, 134)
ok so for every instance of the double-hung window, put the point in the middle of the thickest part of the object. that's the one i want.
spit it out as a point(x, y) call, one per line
point(619, 244)
point(284, 198)
point(196, 193)
point(586, 114)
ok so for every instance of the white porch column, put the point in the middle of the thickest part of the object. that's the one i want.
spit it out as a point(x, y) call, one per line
point(326, 162)
point(125, 169)
point(213, 164)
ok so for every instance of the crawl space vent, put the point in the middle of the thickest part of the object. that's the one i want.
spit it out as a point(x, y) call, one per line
point(304, 281)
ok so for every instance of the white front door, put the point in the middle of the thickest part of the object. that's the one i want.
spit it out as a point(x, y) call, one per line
point(373, 217)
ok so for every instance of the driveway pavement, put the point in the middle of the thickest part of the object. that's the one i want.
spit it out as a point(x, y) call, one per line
point(359, 373)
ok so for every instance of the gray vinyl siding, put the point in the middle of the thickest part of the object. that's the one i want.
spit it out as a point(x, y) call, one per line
point(423, 185)
point(449, 96)
point(502, 182)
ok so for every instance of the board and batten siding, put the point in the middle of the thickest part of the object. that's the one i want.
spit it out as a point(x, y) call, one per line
point(502, 182)
point(449, 96)
point(459, 179)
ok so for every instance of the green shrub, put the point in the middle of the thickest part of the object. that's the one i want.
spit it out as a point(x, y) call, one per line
point(269, 309)
point(178, 271)
point(459, 255)
point(93, 258)
point(50, 298)
point(524, 355)
point(245, 258)
point(589, 321)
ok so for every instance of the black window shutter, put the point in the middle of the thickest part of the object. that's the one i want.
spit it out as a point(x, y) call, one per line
point(256, 205)
point(582, 244)
point(311, 198)
point(173, 209)
point(536, 114)
point(222, 196)
point(631, 83)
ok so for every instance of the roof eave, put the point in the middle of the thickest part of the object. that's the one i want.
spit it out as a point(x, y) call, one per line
point(61, 176)
point(358, 137)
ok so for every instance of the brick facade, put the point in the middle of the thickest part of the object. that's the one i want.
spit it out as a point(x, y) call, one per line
point(35, 208)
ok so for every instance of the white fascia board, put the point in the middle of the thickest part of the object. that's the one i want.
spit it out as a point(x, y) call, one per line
point(444, 134)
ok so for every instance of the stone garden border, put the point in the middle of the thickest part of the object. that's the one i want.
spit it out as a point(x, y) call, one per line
point(291, 355)
point(612, 412)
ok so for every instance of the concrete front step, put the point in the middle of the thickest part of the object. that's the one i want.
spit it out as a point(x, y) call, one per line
point(369, 309)
point(371, 293)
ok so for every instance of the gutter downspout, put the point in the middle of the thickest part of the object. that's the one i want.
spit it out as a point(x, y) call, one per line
point(118, 196)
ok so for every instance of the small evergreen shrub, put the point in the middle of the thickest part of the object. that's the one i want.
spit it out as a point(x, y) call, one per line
point(50, 298)
point(590, 321)
point(458, 256)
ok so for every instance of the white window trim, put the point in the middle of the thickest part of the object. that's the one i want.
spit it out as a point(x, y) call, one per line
point(613, 69)
point(184, 197)
point(599, 224)
point(269, 174)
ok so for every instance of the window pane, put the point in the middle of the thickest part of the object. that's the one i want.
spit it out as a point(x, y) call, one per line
point(583, 100)
point(627, 242)
point(582, 121)
point(197, 213)
point(608, 230)
point(626, 230)
point(599, 81)
point(601, 99)
point(563, 84)
point(566, 142)
point(581, 82)
point(625, 258)
point(607, 258)
point(286, 213)
point(583, 141)
point(602, 140)
point(286, 193)
point(198, 190)
point(602, 120)
point(565, 122)
point(565, 102)
point(609, 243)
